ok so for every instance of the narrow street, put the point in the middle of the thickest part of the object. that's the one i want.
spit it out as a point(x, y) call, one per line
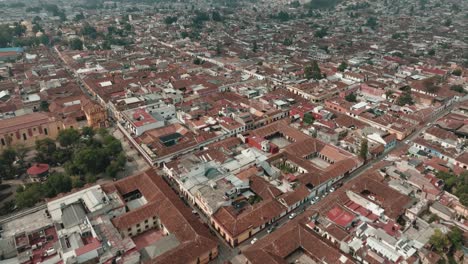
point(226, 252)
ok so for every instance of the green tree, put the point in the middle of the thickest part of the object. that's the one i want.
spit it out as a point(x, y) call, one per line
point(21, 152)
point(44, 106)
point(89, 31)
point(36, 28)
point(371, 22)
point(456, 237)
point(29, 196)
point(79, 17)
point(342, 66)
point(170, 20)
point(43, 39)
point(77, 182)
point(288, 41)
point(308, 118)
point(216, 16)
point(351, 97)
point(111, 145)
point(112, 169)
point(364, 149)
point(45, 150)
point(463, 198)
point(7, 158)
point(76, 44)
point(439, 241)
point(68, 137)
point(313, 71)
point(8, 207)
point(405, 99)
point(430, 85)
point(388, 93)
point(431, 52)
point(57, 183)
point(254, 46)
point(90, 178)
point(457, 72)
point(448, 22)
point(197, 61)
point(219, 48)
point(283, 16)
point(321, 33)
point(87, 131)
point(90, 160)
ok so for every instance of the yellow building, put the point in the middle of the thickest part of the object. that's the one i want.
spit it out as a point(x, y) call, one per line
point(26, 129)
point(96, 115)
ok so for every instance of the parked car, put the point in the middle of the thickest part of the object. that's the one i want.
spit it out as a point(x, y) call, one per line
point(291, 216)
point(254, 240)
point(271, 229)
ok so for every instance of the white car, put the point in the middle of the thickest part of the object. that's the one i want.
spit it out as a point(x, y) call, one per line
point(254, 240)
point(332, 189)
point(312, 202)
point(291, 216)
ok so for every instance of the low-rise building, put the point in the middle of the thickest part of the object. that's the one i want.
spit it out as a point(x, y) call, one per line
point(27, 129)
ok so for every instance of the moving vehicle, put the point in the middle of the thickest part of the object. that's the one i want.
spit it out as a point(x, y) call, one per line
point(254, 240)
point(271, 229)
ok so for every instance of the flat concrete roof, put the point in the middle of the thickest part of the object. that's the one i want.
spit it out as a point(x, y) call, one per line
point(28, 223)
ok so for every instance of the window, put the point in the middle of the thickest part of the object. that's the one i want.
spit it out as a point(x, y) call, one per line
point(146, 221)
point(138, 230)
point(129, 229)
point(3, 142)
point(24, 136)
point(34, 129)
point(45, 131)
point(138, 225)
point(146, 226)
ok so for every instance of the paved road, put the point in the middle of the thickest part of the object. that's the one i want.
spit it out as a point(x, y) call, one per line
point(358, 172)
point(226, 252)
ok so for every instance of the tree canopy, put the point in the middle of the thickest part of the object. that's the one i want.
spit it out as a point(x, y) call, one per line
point(68, 137)
point(364, 149)
point(342, 67)
point(351, 97)
point(76, 44)
point(313, 71)
point(439, 241)
point(7, 168)
point(405, 99)
point(308, 118)
point(84, 155)
point(457, 185)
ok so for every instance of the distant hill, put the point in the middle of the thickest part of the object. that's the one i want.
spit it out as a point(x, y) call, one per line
point(322, 4)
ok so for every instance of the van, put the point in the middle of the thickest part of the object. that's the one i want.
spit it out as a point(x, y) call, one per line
point(51, 251)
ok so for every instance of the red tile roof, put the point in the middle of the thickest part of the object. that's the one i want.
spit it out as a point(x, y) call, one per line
point(295, 235)
point(340, 216)
point(253, 217)
point(195, 239)
point(38, 169)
